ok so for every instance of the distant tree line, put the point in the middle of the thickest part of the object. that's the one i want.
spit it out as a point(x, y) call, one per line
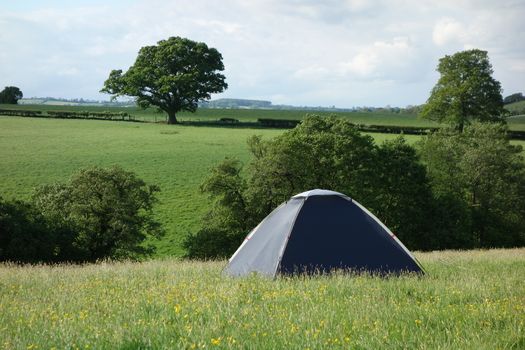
point(517, 97)
point(99, 213)
point(68, 114)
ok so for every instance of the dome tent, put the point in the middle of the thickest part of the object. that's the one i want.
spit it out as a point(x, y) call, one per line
point(318, 231)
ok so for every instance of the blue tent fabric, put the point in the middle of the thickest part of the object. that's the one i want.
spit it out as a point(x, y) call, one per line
point(318, 231)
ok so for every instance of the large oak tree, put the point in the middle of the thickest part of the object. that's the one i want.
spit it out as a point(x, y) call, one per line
point(465, 91)
point(173, 75)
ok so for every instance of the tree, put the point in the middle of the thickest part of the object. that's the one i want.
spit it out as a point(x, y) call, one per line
point(108, 212)
point(173, 75)
point(327, 153)
point(484, 176)
point(10, 95)
point(465, 91)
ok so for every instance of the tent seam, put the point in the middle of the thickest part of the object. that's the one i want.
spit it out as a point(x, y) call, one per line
point(283, 248)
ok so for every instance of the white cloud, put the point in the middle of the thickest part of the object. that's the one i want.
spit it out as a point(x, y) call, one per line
point(304, 52)
point(449, 30)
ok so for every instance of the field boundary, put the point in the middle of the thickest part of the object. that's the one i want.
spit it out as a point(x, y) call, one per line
point(261, 123)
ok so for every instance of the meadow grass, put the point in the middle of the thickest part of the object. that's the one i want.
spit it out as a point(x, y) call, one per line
point(467, 300)
point(35, 151)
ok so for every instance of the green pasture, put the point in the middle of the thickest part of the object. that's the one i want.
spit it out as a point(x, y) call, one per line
point(516, 106)
point(467, 300)
point(251, 115)
point(39, 151)
point(245, 115)
point(36, 151)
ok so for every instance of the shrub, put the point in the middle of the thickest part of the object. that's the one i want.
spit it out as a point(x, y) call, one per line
point(24, 234)
point(108, 211)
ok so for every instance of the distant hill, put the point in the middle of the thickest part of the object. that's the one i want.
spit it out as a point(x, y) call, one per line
point(235, 103)
point(52, 101)
point(221, 103)
point(238, 103)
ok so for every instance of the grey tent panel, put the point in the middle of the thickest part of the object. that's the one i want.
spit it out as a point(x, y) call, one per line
point(261, 250)
point(317, 231)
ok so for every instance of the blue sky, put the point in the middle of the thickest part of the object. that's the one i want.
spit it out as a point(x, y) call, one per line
point(301, 52)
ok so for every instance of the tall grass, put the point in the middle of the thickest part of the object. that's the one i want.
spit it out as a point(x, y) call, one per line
point(467, 300)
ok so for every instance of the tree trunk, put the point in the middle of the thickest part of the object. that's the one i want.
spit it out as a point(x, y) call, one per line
point(461, 126)
point(172, 119)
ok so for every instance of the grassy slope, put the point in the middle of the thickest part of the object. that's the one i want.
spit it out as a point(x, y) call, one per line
point(517, 122)
point(241, 114)
point(177, 158)
point(39, 151)
point(375, 118)
point(467, 300)
point(516, 106)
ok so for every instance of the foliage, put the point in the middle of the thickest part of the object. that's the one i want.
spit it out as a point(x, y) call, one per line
point(109, 212)
point(485, 176)
point(327, 153)
point(173, 75)
point(465, 91)
point(10, 95)
point(228, 219)
point(24, 234)
point(402, 194)
point(517, 97)
point(467, 300)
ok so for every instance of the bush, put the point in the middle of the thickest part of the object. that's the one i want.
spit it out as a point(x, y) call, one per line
point(100, 213)
point(109, 212)
point(24, 234)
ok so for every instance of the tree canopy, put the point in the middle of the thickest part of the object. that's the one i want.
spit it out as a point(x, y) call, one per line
point(465, 91)
point(480, 174)
point(173, 75)
point(326, 153)
point(10, 95)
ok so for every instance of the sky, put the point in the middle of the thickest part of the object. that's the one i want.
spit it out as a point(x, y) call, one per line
point(341, 53)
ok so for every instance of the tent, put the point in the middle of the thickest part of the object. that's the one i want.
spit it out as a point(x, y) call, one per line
point(318, 231)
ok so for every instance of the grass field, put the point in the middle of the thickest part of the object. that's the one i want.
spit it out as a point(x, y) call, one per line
point(177, 158)
point(516, 106)
point(251, 115)
point(205, 114)
point(467, 300)
point(39, 151)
